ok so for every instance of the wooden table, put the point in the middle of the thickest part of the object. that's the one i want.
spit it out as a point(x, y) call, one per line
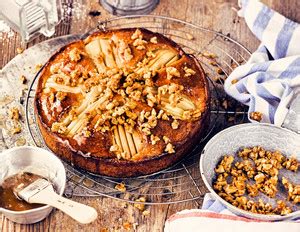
point(219, 15)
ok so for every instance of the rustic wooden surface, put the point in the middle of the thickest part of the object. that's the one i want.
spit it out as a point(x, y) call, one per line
point(218, 15)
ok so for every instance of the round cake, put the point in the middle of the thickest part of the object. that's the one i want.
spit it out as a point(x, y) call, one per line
point(122, 103)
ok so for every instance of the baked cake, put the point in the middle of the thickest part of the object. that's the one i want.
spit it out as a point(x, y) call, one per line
point(122, 103)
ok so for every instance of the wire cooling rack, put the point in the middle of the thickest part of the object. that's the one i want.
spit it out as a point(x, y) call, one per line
point(219, 55)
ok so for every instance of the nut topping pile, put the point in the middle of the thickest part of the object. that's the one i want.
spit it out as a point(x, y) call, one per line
point(257, 172)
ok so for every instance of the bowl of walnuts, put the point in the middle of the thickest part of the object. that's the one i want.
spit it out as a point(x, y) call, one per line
point(254, 170)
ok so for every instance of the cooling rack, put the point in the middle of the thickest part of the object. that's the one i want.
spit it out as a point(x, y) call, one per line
point(218, 55)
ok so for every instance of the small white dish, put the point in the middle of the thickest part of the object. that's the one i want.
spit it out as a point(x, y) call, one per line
point(38, 161)
point(230, 140)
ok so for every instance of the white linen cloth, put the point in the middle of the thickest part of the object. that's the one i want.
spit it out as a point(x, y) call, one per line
point(270, 79)
point(214, 217)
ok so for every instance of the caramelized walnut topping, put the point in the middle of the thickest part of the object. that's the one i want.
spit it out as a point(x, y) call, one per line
point(175, 124)
point(75, 54)
point(61, 96)
point(172, 72)
point(58, 127)
point(153, 40)
point(170, 148)
point(137, 34)
point(166, 139)
point(188, 71)
point(154, 139)
point(86, 132)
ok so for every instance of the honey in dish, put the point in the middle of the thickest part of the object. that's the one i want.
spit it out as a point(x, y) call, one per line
point(8, 199)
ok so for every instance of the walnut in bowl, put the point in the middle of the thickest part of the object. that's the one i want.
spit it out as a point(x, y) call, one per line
point(235, 192)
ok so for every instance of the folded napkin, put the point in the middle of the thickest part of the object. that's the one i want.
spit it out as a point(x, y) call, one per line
point(270, 79)
point(214, 217)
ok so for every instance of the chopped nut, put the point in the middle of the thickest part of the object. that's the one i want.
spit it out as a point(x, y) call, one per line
point(38, 67)
point(257, 116)
point(20, 50)
point(175, 124)
point(259, 178)
point(220, 71)
point(121, 187)
point(252, 190)
point(189, 36)
point(16, 128)
point(23, 79)
point(213, 63)
point(137, 34)
point(293, 190)
point(61, 96)
point(146, 213)
point(153, 40)
point(188, 71)
point(234, 81)
point(58, 127)
point(291, 164)
point(171, 71)
point(127, 226)
point(14, 113)
point(209, 55)
point(154, 139)
point(86, 132)
point(170, 148)
point(166, 139)
point(75, 54)
point(140, 205)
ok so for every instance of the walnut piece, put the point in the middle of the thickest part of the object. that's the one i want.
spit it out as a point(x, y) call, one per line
point(14, 113)
point(153, 40)
point(257, 116)
point(172, 72)
point(121, 187)
point(170, 148)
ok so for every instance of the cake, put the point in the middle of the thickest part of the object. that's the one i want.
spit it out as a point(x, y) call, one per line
point(122, 103)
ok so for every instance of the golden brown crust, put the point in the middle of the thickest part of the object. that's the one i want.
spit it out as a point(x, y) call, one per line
point(92, 154)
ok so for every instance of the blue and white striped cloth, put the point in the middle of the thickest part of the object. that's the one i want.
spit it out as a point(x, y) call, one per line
point(270, 79)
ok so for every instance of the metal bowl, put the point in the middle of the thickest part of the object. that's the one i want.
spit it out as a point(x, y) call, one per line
point(38, 161)
point(232, 139)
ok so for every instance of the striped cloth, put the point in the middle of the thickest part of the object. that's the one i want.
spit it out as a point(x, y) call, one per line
point(215, 217)
point(270, 80)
